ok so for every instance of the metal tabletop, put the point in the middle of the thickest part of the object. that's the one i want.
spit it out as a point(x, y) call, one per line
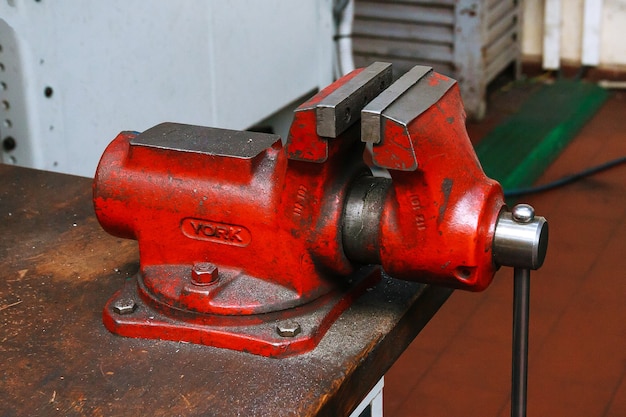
point(58, 268)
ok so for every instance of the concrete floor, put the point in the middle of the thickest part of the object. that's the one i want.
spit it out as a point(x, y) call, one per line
point(460, 364)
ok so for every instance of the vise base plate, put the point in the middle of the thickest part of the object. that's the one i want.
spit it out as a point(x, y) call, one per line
point(274, 334)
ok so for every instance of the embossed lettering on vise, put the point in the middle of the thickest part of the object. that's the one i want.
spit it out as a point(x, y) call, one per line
point(228, 234)
point(300, 200)
point(420, 221)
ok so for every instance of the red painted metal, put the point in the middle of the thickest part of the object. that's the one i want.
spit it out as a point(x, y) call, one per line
point(440, 216)
point(236, 239)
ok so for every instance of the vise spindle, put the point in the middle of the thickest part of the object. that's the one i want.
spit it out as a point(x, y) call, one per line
point(252, 245)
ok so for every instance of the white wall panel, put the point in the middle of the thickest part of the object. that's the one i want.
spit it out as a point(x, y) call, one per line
point(129, 64)
point(611, 48)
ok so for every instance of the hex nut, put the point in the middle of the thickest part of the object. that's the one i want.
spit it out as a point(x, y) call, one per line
point(124, 306)
point(204, 273)
point(288, 329)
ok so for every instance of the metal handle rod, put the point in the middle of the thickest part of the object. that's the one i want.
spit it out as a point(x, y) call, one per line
point(521, 301)
point(520, 241)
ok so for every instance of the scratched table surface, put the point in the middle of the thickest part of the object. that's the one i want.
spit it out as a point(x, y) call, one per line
point(58, 270)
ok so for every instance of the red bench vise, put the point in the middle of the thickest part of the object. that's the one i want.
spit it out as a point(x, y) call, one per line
point(252, 245)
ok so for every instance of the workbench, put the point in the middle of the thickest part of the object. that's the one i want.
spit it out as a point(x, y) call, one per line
point(58, 270)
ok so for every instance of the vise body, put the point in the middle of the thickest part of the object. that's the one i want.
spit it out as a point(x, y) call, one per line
point(250, 244)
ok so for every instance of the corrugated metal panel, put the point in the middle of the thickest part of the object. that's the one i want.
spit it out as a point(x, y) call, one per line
point(401, 30)
point(405, 33)
point(470, 40)
point(415, 12)
point(394, 48)
point(502, 40)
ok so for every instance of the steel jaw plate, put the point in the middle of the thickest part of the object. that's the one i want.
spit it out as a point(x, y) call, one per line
point(404, 101)
point(341, 108)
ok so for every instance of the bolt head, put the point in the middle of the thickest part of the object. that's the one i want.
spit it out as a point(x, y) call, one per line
point(124, 306)
point(288, 329)
point(523, 213)
point(204, 273)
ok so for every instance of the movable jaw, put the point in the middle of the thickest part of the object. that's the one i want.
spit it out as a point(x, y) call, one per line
point(435, 219)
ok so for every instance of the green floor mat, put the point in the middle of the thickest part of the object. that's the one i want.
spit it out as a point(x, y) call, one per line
point(520, 149)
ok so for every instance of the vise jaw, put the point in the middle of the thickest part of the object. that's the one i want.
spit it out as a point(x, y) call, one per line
point(252, 245)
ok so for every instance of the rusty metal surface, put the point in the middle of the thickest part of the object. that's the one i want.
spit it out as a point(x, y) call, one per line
point(58, 270)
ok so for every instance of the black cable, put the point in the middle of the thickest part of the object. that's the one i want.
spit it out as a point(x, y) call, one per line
point(565, 180)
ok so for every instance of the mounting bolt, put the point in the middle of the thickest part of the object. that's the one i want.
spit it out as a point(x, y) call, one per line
point(523, 213)
point(288, 329)
point(204, 273)
point(124, 306)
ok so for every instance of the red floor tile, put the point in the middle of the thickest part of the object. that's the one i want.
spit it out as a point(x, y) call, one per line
point(617, 405)
point(461, 360)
